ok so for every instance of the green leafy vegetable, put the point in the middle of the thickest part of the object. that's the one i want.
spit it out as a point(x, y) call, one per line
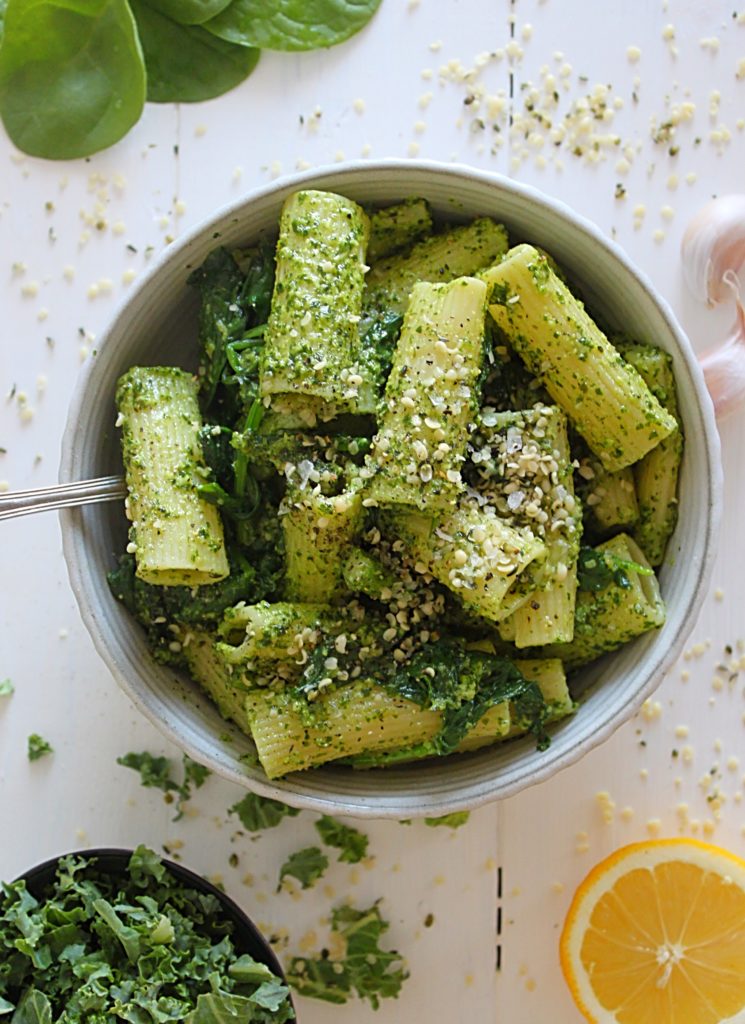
point(306, 865)
point(189, 12)
point(72, 76)
point(184, 63)
point(454, 820)
point(292, 24)
point(259, 812)
point(155, 772)
point(597, 570)
point(138, 946)
point(351, 842)
point(366, 969)
point(38, 747)
point(464, 685)
point(6, 688)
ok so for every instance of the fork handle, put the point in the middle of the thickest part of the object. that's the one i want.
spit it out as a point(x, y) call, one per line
point(45, 499)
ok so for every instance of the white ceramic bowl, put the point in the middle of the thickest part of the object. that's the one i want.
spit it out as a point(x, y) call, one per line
point(157, 325)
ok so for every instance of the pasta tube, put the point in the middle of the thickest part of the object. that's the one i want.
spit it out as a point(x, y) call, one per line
point(656, 475)
point(176, 536)
point(430, 396)
point(603, 395)
point(311, 356)
point(395, 227)
point(459, 252)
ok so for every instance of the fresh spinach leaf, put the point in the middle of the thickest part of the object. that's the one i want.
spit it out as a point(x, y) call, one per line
point(366, 969)
point(292, 24)
point(189, 12)
point(184, 63)
point(72, 75)
point(306, 865)
point(259, 812)
point(38, 747)
point(351, 842)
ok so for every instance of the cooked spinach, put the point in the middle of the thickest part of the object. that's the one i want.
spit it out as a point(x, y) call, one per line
point(292, 24)
point(72, 79)
point(186, 64)
point(597, 570)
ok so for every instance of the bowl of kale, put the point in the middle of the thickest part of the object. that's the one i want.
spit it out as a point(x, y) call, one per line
point(423, 490)
point(106, 934)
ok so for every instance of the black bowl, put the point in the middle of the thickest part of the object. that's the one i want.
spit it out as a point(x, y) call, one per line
point(246, 936)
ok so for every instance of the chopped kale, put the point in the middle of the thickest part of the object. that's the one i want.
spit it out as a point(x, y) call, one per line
point(350, 841)
point(140, 946)
point(366, 970)
point(259, 812)
point(306, 865)
point(155, 772)
point(38, 747)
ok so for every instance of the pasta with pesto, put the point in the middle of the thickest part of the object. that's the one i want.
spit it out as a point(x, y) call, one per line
point(411, 489)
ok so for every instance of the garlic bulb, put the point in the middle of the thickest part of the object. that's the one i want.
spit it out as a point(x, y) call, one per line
point(724, 368)
point(713, 248)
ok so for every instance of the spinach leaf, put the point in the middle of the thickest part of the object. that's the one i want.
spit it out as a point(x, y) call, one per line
point(366, 969)
point(184, 63)
point(597, 570)
point(306, 865)
point(189, 12)
point(351, 842)
point(292, 24)
point(259, 812)
point(72, 76)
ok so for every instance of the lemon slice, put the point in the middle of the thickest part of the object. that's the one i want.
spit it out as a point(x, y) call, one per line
point(656, 935)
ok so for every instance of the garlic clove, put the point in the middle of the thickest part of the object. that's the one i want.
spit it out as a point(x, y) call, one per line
point(713, 248)
point(724, 368)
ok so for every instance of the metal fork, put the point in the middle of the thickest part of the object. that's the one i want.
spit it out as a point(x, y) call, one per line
point(47, 499)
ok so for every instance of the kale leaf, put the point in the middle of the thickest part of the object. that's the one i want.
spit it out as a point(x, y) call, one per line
point(38, 747)
point(306, 865)
point(155, 772)
point(259, 812)
point(352, 843)
point(366, 969)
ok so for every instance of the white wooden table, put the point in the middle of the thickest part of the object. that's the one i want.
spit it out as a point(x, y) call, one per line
point(70, 236)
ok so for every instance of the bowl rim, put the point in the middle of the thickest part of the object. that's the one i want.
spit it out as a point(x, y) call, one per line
point(233, 910)
point(482, 791)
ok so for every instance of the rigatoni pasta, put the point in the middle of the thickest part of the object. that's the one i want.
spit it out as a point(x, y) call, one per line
point(419, 463)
